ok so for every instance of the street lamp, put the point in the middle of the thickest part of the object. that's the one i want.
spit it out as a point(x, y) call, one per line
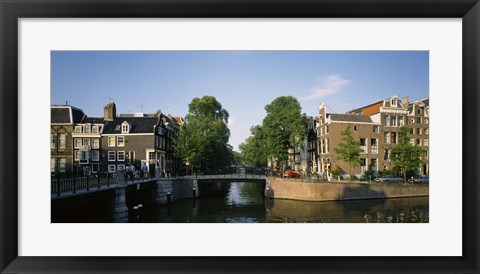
point(186, 163)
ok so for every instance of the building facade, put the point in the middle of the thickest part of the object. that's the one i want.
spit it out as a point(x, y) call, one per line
point(63, 120)
point(362, 128)
point(97, 145)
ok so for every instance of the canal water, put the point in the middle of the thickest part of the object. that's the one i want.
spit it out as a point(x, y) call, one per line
point(244, 203)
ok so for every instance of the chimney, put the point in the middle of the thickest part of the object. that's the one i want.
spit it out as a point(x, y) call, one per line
point(109, 112)
point(405, 101)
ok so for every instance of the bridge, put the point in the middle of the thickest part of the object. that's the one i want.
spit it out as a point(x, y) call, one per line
point(255, 178)
point(87, 184)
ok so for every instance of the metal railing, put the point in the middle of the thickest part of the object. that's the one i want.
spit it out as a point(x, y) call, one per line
point(73, 184)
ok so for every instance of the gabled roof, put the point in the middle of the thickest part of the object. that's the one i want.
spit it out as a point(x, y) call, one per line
point(350, 118)
point(137, 125)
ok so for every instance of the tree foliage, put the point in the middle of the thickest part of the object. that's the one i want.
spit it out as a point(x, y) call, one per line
point(348, 149)
point(203, 139)
point(404, 155)
point(283, 127)
point(253, 150)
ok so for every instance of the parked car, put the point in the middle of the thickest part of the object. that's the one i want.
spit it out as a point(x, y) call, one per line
point(419, 179)
point(389, 178)
point(291, 174)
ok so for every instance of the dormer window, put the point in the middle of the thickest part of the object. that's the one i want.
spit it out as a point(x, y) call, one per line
point(125, 127)
point(393, 102)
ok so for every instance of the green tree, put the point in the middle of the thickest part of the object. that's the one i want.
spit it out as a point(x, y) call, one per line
point(203, 139)
point(348, 150)
point(253, 150)
point(283, 127)
point(405, 156)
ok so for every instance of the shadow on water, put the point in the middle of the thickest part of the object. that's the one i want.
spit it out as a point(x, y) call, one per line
point(394, 210)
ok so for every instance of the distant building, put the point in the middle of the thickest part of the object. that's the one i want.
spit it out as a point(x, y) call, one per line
point(391, 114)
point(63, 120)
point(94, 145)
point(363, 129)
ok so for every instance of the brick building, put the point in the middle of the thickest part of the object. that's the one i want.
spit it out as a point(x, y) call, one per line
point(63, 120)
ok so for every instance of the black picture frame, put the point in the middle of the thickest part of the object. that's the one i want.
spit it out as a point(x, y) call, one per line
point(11, 11)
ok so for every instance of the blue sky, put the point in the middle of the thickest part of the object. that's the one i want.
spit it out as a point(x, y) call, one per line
point(243, 81)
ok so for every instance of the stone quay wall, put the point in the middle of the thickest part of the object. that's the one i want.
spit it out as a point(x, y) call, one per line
point(171, 190)
point(331, 191)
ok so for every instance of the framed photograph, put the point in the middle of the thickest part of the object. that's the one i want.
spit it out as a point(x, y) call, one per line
point(45, 45)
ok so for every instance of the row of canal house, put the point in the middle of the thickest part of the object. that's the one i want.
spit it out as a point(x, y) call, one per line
point(376, 126)
point(93, 145)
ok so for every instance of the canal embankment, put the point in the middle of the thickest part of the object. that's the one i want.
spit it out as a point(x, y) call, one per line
point(333, 191)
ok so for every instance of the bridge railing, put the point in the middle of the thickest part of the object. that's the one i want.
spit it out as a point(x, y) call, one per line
point(77, 183)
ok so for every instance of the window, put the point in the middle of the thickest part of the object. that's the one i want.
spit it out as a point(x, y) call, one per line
point(151, 155)
point(419, 120)
point(111, 141)
point(419, 111)
point(125, 127)
point(78, 129)
point(418, 142)
point(120, 167)
point(355, 128)
point(86, 129)
point(53, 140)
point(52, 164)
point(374, 146)
point(84, 156)
point(426, 131)
point(393, 137)
point(77, 142)
point(95, 155)
point(374, 165)
point(394, 121)
point(96, 143)
point(62, 164)
point(386, 154)
point(95, 129)
point(386, 138)
point(375, 128)
point(121, 141)
point(160, 130)
point(426, 121)
point(363, 145)
point(400, 121)
point(326, 129)
point(411, 130)
point(62, 140)
point(425, 142)
point(327, 145)
point(86, 142)
point(77, 155)
point(412, 141)
point(95, 168)
point(131, 156)
point(111, 156)
point(419, 131)
point(386, 120)
point(393, 102)
point(111, 168)
point(363, 164)
point(121, 156)
point(412, 120)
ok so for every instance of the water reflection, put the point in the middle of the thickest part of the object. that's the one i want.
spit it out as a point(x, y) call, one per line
point(244, 203)
point(400, 210)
